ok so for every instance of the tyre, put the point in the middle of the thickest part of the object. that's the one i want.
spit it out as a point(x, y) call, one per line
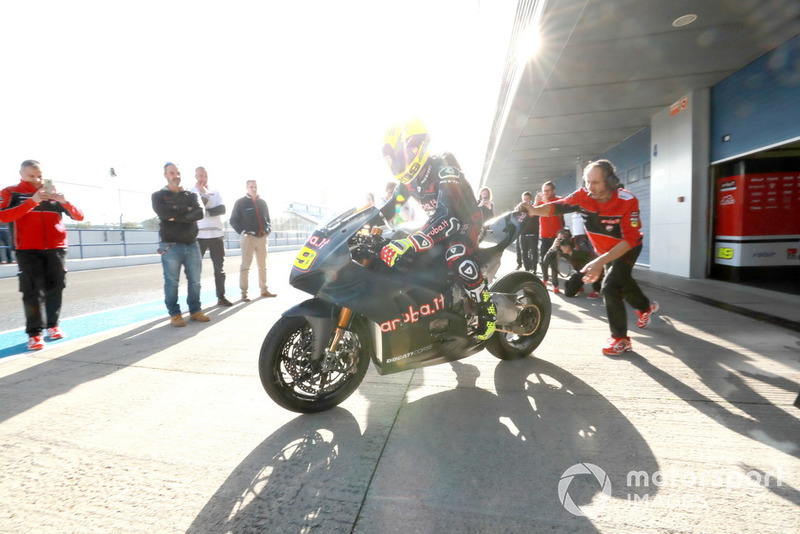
point(298, 383)
point(521, 338)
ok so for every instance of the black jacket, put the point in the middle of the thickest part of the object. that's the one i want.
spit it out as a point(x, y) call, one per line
point(251, 216)
point(179, 213)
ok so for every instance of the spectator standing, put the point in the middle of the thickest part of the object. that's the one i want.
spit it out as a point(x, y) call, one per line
point(548, 231)
point(178, 211)
point(485, 203)
point(41, 243)
point(250, 219)
point(210, 231)
point(6, 243)
point(611, 217)
point(527, 244)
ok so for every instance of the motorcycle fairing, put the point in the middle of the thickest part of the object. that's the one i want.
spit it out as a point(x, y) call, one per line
point(416, 345)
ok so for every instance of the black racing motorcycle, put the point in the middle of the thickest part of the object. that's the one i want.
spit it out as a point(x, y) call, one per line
point(409, 316)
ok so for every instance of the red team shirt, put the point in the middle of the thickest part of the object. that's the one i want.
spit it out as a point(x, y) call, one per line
point(549, 226)
point(606, 223)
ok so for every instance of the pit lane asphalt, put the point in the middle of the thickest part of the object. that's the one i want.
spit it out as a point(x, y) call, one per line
point(143, 427)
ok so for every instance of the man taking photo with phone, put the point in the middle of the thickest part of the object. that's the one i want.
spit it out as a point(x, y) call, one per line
point(40, 239)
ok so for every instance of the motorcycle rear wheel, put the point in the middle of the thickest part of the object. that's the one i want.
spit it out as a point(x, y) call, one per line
point(530, 291)
point(296, 382)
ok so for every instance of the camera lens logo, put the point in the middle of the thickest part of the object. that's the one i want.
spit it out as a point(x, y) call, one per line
point(566, 479)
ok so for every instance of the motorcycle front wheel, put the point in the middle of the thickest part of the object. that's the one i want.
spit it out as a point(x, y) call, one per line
point(297, 382)
point(533, 319)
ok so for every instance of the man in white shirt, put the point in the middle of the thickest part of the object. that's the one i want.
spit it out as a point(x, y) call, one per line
point(211, 233)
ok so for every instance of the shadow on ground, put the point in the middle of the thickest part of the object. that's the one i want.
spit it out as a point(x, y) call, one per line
point(462, 460)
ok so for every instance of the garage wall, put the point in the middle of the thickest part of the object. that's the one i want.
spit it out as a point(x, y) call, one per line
point(758, 106)
point(679, 192)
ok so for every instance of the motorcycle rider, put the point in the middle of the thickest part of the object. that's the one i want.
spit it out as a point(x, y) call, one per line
point(437, 183)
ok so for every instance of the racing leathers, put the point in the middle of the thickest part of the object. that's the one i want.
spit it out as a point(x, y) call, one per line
point(606, 224)
point(453, 217)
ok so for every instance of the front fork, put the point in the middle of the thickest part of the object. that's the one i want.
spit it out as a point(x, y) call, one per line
point(346, 314)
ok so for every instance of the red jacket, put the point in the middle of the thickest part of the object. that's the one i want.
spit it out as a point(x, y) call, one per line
point(36, 226)
point(607, 223)
point(549, 226)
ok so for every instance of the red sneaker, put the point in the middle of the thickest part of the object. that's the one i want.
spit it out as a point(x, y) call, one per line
point(644, 317)
point(617, 345)
point(594, 295)
point(55, 333)
point(36, 342)
point(556, 290)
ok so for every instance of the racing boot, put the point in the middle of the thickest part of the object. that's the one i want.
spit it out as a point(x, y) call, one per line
point(486, 312)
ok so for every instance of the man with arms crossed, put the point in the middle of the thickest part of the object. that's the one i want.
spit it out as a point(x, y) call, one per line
point(179, 210)
point(210, 232)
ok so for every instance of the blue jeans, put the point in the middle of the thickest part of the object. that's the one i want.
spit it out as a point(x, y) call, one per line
point(175, 255)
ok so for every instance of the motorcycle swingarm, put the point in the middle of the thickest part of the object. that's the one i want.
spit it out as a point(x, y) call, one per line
point(508, 310)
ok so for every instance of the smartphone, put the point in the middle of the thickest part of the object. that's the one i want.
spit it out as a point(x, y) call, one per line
point(48, 186)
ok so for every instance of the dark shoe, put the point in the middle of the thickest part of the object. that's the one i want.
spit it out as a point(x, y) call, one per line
point(224, 302)
point(267, 294)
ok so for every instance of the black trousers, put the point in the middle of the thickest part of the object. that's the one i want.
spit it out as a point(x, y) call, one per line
point(619, 287)
point(216, 248)
point(42, 279)
point(545, 244)
point(527, 251)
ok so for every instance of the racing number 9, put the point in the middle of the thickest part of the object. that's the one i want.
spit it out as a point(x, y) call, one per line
point(305, 258)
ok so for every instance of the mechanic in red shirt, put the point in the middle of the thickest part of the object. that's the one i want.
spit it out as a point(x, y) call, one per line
point(40, 238)
point(611, 217)
point(549, 226)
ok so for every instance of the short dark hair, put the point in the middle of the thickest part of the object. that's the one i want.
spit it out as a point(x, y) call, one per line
point(527, 193)
point(548, 182)
point(167, 164)
point(29, 163)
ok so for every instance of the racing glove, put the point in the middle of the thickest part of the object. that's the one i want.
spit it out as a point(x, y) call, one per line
point(395, 249)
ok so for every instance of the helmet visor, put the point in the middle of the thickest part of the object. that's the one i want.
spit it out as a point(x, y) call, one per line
point(403, 155)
